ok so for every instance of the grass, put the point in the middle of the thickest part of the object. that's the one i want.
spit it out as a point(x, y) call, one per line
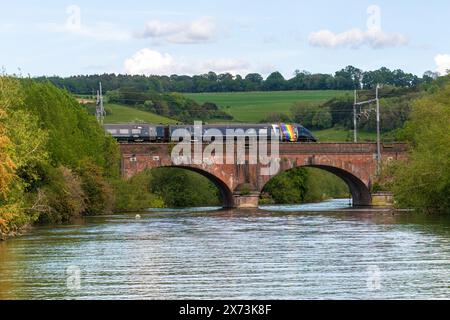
point(342, 135)
point(255, 106)
point(123, 114)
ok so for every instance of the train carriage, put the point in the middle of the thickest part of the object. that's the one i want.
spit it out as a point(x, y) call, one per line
point(164, 133)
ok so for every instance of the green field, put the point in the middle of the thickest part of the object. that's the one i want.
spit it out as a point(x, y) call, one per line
point(255, 106)
point(341, 135)
point(123, 114)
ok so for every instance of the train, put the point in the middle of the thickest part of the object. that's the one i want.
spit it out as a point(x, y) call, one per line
point(164, 133)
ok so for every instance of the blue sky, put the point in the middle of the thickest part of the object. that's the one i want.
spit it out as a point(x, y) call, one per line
point(192, 37)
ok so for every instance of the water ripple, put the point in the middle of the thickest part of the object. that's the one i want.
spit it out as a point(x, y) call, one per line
point(272, 253)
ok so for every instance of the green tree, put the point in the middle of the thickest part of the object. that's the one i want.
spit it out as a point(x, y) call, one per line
point(423, 181)
point(181, 188)
point(289, 187)
point(322, 119)
point(276, 117)
point(303, 113)
point(22, 148)
point(275, 82)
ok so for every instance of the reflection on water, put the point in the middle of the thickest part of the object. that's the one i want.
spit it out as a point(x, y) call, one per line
point(274, 252)
point(321, 206)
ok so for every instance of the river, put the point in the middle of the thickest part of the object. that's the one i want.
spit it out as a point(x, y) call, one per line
point(321, 251)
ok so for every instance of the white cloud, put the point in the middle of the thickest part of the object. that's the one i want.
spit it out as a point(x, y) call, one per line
point(442, 63)
point(151, 62)
point(148, 61)
point(356, 38)
point(201, 30)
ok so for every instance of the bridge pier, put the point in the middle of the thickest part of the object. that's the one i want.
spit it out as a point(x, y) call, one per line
point(246, 201)
point(382, 199)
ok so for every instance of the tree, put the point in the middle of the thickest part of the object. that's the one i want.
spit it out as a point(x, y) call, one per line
point(303, 113)
point(20, 153)
point(349, 78)
point(289, 187)
point(275, 82)
point(44, 137)
point(7, 165)
point(341, 110)
point(423, 181)
point(322, 119)
point(276, 117)
point(181, 188)
point(253, 82)
point(311, 116)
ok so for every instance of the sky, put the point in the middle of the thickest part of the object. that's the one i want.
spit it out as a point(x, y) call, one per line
point(237, 36)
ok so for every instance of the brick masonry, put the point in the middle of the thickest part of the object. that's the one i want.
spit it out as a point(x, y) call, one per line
point(355, 163)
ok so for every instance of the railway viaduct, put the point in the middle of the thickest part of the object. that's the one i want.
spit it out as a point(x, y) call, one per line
point(241, 184)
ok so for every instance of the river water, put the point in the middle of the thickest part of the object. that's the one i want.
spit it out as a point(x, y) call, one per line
point(322, 251)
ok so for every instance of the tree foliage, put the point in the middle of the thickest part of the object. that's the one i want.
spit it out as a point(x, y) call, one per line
point(289, 187)
point(423, 182)
point(55, 160)
point(135, 193)
point(181, 188)
point(349, 78)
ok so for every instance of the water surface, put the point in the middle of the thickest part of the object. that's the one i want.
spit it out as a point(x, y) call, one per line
point(321, 251)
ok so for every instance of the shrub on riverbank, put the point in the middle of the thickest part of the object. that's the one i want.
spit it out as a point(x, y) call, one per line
point(134, 194)
point(62, 197)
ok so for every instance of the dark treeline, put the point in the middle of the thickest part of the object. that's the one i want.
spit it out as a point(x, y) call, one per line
point(346, 79)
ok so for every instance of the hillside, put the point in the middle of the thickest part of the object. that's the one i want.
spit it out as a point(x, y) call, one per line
point(116, 113)
point(255, 106)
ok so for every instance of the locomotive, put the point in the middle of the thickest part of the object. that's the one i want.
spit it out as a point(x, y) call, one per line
point(163, 133)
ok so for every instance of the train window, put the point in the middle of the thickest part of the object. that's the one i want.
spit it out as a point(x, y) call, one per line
point(136, 131)
point(112, 131)
point(124, 131)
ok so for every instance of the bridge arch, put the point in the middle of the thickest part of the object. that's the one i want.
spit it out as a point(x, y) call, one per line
point(359, 190)
point(225, 193)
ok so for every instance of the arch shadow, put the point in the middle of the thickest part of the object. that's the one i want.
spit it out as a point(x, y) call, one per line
point(360, 192)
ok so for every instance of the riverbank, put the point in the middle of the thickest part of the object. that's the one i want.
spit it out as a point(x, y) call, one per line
point(23, 230)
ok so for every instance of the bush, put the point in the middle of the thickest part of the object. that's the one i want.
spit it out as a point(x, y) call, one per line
point(63, 198)
point(99, 193)
point(134, 194)
point(276, 117)
point(310, 116)
point(289, 187)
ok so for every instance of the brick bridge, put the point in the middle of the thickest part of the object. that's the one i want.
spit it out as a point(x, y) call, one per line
point(355, 163)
